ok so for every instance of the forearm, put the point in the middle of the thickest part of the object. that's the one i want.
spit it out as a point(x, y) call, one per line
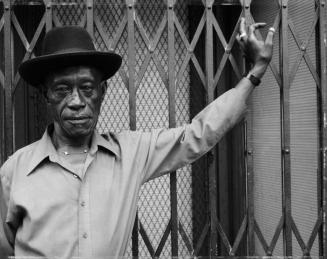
point(245, 86)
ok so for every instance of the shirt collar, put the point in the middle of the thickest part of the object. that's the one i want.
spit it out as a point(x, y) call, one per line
point(45, 149)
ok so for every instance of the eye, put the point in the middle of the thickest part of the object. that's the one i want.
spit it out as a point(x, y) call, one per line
point(87, 88)
point(61, 89)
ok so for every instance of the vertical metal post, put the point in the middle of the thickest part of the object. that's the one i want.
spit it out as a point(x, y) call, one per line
point(89, 17)
point(323, 81)
point(8, 80)
point(132, 96)
point(48, 11)
point(285, 129)
point(172, 123)
point(249, 160)
point(212, 155)
point(249, 169)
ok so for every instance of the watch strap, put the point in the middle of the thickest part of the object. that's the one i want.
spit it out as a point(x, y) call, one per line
point(254, 80)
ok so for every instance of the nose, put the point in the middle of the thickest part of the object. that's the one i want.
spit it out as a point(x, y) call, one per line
point(76, 101)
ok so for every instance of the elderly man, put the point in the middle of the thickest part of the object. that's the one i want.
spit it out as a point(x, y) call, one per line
point(74, 192)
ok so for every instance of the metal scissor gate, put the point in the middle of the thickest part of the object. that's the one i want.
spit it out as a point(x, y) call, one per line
point(262, 191)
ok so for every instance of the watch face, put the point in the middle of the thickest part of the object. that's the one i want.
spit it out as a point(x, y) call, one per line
point(254, 80)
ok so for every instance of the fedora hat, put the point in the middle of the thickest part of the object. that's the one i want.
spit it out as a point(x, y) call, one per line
point(68, 46)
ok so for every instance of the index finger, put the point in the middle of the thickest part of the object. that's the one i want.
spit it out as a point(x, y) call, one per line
point(242, 26)
point(255, 26)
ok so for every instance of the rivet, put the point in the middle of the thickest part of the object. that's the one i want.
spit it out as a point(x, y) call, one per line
point(89, 6)
point(250, 152)
point(269, 253)
point(48, 6)
point(286, 151)
point(303, 48)
point(323, 3)
point(227, 50)
point(247, 6)
point(6, 7)
point(284, 5)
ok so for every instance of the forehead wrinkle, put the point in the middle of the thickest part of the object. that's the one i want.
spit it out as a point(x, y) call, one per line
point(74, 74)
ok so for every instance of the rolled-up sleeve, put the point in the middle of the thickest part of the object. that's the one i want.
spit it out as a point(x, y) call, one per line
point(170, 149)
point(6, 236)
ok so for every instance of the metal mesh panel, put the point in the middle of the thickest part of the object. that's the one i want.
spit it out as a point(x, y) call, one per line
point(114, 114)
point(69, 12)
point(265, 138)
point(304, 126)
point(152, 112)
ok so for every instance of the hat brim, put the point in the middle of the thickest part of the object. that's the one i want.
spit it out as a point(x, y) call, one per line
point(34, 70)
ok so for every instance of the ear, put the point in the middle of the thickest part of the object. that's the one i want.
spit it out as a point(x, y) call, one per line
point(104, 87)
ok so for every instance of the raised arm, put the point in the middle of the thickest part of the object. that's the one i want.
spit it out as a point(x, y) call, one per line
point(173, 148)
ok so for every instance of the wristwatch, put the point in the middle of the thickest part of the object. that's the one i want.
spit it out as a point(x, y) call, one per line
point(254, 80)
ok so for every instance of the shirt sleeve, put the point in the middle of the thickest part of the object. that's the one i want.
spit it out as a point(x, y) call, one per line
point(6, 235)
point(170, 149)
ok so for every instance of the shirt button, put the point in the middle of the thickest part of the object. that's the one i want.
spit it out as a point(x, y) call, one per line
point(85, 235)
point(83, 203)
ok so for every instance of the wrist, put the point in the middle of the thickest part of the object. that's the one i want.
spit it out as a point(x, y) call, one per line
point(258, 70)
point(255, 81)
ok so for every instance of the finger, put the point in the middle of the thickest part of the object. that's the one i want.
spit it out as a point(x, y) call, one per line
point(270, 36)
point(255, 26)
point(242, 26)
point(240, 41)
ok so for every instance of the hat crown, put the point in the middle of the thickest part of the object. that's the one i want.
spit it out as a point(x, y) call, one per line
point(66, 40)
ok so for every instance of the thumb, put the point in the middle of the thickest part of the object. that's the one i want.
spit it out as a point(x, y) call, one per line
point(270, 36)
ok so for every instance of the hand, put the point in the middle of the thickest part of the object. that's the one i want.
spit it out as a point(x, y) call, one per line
point(257, 52)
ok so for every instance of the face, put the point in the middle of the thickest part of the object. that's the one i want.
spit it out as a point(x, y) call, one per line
point(74, 97)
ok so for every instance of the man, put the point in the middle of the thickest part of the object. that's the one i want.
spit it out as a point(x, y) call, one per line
point(74, 192)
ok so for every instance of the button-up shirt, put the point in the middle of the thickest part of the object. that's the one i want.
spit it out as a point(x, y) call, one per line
point(50, 209)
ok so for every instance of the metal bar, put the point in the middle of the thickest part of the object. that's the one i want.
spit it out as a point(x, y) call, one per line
point(199, 70)
point(8, 81)
point(163, 240)
point(146, 239)
point(323, 128)
point(89, 17)
point(2, 99)
point(151, 47)
point(260, 236)
point(298, 236)
point(224, 237)
point(201, 239)
point(132, 99)
point(303, 46)
point(172, 122)
point(249, 160)
point(48, 13)
point(2, 22)
point(315, 231)
point(29, 46)
point(161, 71)
point(119, 32)
point(212, 154)
point(102, 32)
point(285, 130)
point(185, 238)
point(239, 236)
point(276, 236)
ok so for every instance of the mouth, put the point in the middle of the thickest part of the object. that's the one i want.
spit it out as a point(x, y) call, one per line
point(77, 120)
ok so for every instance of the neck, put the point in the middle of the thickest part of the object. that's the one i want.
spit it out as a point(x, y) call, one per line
point(64, 143)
